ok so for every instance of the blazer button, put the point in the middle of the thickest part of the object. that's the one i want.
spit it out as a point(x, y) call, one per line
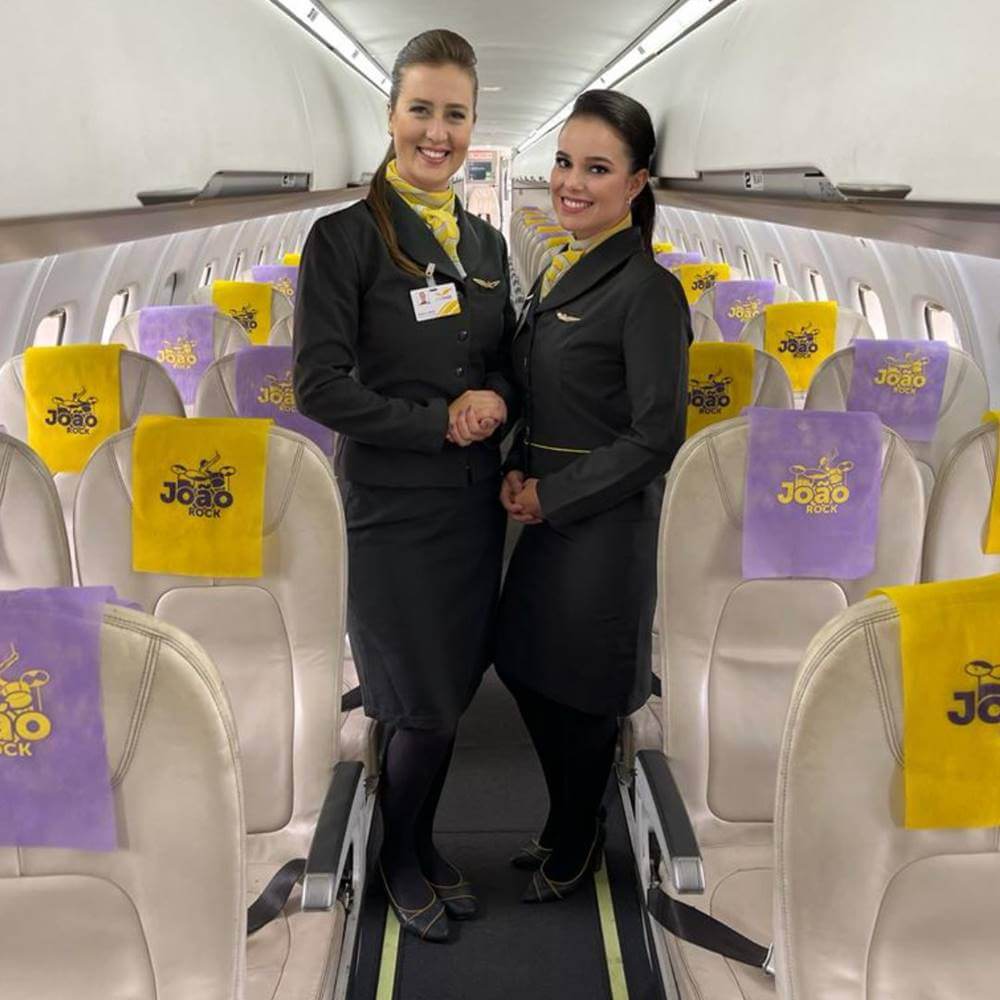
point(463, 334)
point(459, 371)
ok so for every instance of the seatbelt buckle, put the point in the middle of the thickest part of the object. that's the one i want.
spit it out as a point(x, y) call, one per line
point(768, 966)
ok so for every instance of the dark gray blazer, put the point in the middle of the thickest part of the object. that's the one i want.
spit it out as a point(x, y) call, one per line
point(602, 362)
point(366, 368)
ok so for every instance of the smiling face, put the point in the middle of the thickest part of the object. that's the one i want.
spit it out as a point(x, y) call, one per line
point(431, 124)
point(592, 183)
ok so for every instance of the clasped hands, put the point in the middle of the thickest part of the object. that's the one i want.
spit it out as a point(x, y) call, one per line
point(474, 416)
point(519, 497)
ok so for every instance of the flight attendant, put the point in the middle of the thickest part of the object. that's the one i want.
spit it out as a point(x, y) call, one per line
point(402, 327)
point(601, 356)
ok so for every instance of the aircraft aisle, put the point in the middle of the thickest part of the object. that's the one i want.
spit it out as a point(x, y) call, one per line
point(493, 802)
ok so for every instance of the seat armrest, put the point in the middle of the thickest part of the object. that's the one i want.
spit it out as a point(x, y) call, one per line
point(340, 827)
point(659, 802)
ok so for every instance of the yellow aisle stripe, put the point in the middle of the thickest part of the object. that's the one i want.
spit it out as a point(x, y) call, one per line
point(609, 931)
point(390, 951)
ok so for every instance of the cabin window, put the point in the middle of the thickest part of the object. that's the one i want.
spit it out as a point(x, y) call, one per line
point(778, 270)
point(280, 252)
point(238, 265)
point(817, 285)
point(169, 289)
point(701, 247)
point(747, 263)
point(260, 255)
point(941, 325)
point(206, 275)
point(871, 306)
point(49, 332)
point(117, 308)
point(721, 251)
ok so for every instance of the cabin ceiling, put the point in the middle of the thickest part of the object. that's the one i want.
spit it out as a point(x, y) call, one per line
point(539, 54)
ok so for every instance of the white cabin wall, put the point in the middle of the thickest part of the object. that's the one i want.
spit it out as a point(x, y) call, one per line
point(898, 93)
point(109, 98)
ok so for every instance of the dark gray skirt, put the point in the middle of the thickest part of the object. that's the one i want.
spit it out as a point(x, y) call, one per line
point(576, 615)
point(424, 578)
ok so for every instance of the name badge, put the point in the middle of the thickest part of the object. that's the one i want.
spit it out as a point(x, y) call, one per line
point(435, 302)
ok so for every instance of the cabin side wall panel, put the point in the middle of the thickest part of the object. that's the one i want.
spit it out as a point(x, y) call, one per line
point(107, 99)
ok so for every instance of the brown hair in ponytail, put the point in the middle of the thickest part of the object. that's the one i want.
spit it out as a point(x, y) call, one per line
point(632, 123)
point(438, 47)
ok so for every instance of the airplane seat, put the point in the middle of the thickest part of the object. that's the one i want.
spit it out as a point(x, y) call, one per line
point(960, 508)
point(34, 548)
point(281, 333)
point(145, 388)
point(359, 735)
point(644, 728)
point(851, 326)
point(277, 641)
point(703, 323)
point(729, 651)
point(164, 915)
point(965, 398)
point(281, 305)
point(864, 906)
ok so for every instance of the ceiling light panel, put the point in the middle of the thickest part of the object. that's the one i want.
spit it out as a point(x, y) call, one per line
point(317, 21)
point(662, 34)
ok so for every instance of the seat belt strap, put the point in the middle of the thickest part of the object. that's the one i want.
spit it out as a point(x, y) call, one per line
point(351, 700)
point(272, 900)
point(697, 927)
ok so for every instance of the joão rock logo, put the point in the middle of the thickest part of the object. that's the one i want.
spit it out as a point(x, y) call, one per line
point(75, 414)
point(745, 310)
point(821, 490)
point(905, 377)
point(180, 353)
point(277, 391)
point(23, 723)
point(982, 704)
point(799, 343)
point(204, 490)
point(703, 281)
point(246, 317)
point(710, 395)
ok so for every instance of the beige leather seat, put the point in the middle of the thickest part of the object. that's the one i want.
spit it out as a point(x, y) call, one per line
point(163, 917)
point(277, 642)
point(703, 322)
point(851, 326)
point(281, 306)
point(281, 333)
point(959, 510)
point(644, 728)
point(731, 648)
point(34, 549)
point(965, 398)
point(865, 908)
point(145, 388)
point(358, 734)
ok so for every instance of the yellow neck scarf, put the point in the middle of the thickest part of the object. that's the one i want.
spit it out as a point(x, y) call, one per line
point(436, 208)
point(565, 259)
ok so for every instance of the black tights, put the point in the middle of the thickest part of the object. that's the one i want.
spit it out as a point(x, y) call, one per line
point(576, 751)
point(413, 777)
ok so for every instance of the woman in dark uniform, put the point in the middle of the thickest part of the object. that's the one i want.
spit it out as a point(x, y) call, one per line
point(402, 330)
point(601, 354)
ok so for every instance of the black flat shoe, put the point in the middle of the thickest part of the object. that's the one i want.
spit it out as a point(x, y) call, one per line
point(542, 889)
point(531, 856)
point(429, 923)
point(458, 900)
